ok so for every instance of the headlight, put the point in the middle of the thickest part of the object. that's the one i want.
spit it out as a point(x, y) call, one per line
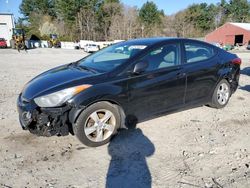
point(59, 97)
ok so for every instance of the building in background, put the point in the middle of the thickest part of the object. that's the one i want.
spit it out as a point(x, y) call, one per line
point(230, 34)
point(6, 26)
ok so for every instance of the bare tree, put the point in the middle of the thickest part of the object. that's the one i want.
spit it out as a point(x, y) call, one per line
point(109, 12)
point(86, 21)
point(125, 25)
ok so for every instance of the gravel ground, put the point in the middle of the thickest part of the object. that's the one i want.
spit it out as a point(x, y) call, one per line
point(201, 147)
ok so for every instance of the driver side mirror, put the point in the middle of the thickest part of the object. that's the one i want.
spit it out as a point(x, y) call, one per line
point(140, 67)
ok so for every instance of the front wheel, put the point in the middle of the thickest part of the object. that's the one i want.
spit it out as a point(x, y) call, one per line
point(97, 124)
point(221, 94)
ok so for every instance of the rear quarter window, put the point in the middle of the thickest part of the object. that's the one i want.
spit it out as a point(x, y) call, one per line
point(196, 52)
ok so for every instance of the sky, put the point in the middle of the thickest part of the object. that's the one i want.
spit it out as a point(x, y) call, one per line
point(169, 6)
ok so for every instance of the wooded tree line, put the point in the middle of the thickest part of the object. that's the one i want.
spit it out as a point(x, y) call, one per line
point(110, 19)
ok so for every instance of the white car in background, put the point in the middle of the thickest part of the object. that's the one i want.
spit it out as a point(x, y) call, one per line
point(91, 48)
point(216, 44)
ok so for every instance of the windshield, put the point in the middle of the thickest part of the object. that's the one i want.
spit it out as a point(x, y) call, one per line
point(111, 57)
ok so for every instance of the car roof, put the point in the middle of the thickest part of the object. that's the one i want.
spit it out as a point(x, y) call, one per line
point(156, 40)
point(147, 41)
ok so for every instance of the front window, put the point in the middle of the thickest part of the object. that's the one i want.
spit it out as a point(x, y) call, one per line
point(111, 57)
point(163, 57)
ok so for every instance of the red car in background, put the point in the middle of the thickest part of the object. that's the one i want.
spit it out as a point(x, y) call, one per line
point(3, 43)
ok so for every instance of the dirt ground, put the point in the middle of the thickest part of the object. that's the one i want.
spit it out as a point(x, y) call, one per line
point(201, 147)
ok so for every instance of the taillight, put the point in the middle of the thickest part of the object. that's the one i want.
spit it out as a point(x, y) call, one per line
point(236, 61)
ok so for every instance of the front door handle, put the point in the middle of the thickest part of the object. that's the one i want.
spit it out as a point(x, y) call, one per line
point(181, 75)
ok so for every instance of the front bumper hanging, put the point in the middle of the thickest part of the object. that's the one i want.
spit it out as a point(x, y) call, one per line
point(44, 121)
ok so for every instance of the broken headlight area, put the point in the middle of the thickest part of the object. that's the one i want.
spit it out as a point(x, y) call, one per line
point(47, 121)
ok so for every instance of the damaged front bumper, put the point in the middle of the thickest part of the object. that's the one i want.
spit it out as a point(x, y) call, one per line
point(44, 121)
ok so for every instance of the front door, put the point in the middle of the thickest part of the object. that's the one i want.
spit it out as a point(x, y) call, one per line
point(161, 87)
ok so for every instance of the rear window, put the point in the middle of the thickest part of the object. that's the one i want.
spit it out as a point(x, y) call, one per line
point(196, 52)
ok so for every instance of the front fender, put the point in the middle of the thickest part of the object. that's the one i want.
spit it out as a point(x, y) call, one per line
point(115, 94)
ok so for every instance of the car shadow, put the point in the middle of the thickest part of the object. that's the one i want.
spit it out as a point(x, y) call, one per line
point(245, 71)
point(246, 88)
point(128, 166)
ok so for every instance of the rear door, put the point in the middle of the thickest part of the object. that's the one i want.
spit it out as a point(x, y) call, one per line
point(161, 86)
point(201, 66)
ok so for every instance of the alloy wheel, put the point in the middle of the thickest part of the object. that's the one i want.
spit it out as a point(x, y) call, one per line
point(223, 94)
point(100, 125)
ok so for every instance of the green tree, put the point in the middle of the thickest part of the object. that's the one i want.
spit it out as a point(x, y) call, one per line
point(71, 11)
point(106, 13)
point(202, 16)
point(149, 14)
point(67, 9)
point(150, 17)
point(27, 7)
point(238, 10)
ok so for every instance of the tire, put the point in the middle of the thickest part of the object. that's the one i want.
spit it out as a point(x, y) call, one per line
point(221, 94)
point(94, 130)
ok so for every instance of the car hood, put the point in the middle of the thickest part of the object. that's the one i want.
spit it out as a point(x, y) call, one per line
point(54, 80)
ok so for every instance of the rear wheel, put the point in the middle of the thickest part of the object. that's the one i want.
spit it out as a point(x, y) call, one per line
point(221, 94)
point(97, 124)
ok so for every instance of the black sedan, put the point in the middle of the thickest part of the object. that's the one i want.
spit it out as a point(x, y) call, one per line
point(126, 83)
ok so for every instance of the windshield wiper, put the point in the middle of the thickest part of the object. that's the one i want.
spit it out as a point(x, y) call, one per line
point(71, 64)
point(86, 68)
point(81, 67)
